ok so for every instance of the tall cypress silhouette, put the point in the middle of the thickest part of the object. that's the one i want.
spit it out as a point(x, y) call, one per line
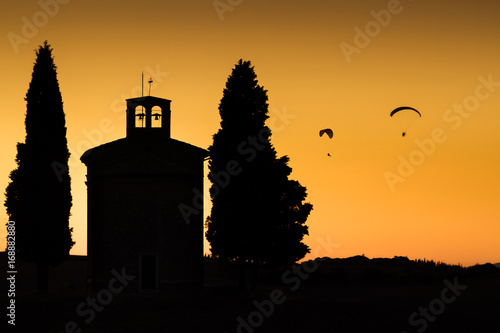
point(258, 214)
point(38, 198)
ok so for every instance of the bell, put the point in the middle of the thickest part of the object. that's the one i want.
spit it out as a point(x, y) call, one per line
point(157, 116)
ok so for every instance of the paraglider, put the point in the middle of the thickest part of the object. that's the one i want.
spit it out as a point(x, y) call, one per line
point(328, 132)
point(405, 115)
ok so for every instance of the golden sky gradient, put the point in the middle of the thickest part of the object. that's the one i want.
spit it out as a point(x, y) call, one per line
point(325, 64)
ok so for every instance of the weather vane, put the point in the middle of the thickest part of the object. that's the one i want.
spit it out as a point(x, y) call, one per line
point(150, 81)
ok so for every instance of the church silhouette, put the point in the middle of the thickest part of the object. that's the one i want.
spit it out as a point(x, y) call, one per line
point(135, 186)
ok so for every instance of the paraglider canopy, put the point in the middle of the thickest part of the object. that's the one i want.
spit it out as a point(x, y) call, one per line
point(401, 108)
point(405, 116)
point(328, 132)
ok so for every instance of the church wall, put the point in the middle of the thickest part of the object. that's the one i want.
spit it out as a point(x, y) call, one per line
point(136, 215)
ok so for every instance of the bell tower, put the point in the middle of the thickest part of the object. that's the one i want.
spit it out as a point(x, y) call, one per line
point(148, 114)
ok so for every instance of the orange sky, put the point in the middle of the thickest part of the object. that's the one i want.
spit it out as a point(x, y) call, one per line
point(320, 71)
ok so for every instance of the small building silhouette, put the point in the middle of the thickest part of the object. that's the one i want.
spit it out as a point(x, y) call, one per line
point(135, 188)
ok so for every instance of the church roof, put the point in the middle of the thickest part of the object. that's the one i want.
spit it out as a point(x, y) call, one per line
point(145, 155)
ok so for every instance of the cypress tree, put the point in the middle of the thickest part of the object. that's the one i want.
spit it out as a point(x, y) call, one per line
point(38, 197)
point(258, 214)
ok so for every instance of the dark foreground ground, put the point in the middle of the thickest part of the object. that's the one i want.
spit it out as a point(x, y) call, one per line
point(294, 302)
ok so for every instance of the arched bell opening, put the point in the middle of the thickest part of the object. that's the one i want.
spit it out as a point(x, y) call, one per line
point(140, 117)
point(156, 117)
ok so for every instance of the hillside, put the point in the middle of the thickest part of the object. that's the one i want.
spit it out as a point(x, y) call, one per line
point(354, 294)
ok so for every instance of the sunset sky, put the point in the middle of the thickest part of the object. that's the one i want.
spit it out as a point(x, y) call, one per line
point(434, 193)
